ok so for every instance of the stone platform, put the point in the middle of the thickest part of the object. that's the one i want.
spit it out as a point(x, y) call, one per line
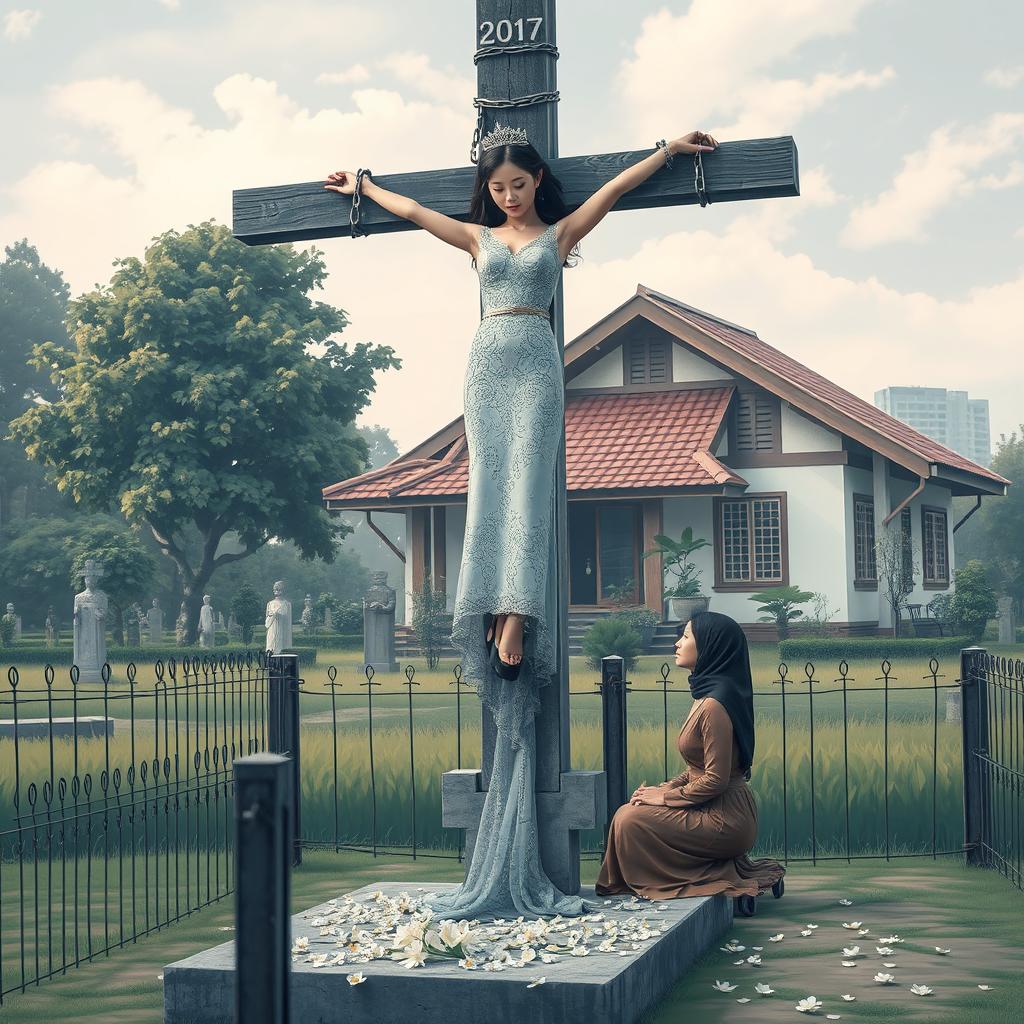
point(600, 988)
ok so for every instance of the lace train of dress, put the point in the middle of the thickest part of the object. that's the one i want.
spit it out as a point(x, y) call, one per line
point(514, 413)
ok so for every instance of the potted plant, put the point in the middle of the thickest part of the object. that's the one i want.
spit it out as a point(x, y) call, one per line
point(643, 620)
point(685, 597)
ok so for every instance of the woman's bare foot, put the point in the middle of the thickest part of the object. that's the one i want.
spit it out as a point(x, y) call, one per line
point(510, 630)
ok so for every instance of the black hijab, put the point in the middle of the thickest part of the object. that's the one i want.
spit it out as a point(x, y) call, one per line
point(722, 671)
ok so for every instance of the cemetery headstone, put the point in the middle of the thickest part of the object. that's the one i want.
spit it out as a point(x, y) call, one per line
point(155, 622)
point(1007, 620)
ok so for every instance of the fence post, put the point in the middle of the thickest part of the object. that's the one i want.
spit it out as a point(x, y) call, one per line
point(613, 719)
point(263, 938)
point(283, 735)
point(974, 724)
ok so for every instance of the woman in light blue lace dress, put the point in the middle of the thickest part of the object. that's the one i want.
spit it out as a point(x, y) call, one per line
point(520, 234)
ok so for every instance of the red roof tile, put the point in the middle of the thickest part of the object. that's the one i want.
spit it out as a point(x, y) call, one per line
point(657, 439)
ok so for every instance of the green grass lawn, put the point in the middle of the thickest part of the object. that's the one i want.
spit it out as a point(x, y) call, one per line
point(974, 912)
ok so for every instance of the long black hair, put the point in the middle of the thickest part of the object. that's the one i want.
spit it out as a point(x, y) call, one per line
point(549, 200)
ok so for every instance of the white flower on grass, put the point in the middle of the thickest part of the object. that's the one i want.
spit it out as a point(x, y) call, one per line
point(852, 924)
point(809, 1004)
point(920, 990)
point(763, 990)
point(812, 926)
point(848, 997)
point(738, 963)
point(758, 948)
point(755, 960)
point(888, 963)
point(832, 1016)
point(941, 951)
point(777, 938)
point(849, 963)
point(846, 903)
point(744, 999)
point(884, 951)
point(864, 931)
point(851, 950)
point(732, 947)
point(538, 981)
point(467, 963)
point(891, 938)
point(806, 931)
point(985, 988)
point(884, 979)
point(301, 944)
point(724, 986)
point(355, 979)
point(580, 951)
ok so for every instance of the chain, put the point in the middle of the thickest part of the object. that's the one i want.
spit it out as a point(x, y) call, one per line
point(698, 179)
point(516, 101)
point(354, 216)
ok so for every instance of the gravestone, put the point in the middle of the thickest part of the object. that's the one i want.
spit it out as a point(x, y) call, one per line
point(234, 629)
point(132, 626)
point(328, 619)
point(521, 36)
point(379, 624)
point(1007, 621)
point(155, 622)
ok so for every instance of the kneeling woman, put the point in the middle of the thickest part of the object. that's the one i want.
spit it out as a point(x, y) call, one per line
point(690, 836)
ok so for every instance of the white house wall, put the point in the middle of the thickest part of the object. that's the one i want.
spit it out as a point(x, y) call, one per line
point(816, 535)
point(454, 532)
point(864, 603)
point(802, 434)
point(688, 365)
point(605, 373)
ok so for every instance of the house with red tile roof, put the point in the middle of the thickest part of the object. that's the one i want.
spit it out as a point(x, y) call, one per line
point(674, 418)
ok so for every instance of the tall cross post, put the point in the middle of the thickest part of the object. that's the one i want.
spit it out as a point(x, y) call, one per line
point(517, 84)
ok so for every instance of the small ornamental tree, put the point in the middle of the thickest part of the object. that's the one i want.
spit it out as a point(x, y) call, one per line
point(248, 610)
point(206, 392)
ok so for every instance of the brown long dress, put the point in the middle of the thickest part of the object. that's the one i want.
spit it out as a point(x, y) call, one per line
point(697, 844)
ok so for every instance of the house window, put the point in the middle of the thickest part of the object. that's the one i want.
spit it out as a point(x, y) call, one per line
point(864, 568)
point(933, 547)
point(751, 548)
point(647, 361)
point(755, 425)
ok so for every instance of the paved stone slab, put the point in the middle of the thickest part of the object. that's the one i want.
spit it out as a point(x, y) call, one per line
point(601, 988)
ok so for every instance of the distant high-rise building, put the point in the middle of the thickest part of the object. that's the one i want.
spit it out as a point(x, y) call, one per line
point(949, 417)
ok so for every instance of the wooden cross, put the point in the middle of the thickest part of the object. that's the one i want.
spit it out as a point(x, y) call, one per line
point(515, 58)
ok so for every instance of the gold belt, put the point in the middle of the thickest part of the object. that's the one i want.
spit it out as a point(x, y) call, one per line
point(517, 309)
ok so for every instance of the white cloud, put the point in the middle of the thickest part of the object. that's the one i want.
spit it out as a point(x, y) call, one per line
point(356, 73)
point(1005, 78)
point(171, 5)
point(930, 178)
point(447, 87)
point(711, 68)
point(20, 24)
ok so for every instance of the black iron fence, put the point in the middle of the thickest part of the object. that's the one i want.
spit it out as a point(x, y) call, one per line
point(993, 730)
point(116, 816)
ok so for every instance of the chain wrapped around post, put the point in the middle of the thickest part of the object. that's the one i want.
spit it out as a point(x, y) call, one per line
point(354, 213)
point(516, 101)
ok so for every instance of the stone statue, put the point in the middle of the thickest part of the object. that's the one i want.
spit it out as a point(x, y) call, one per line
point(155, 622)
point(15, 618)
point(1005, 620)
point(207, 623)
point(90, 626)
point(379, 624)
point(308, 617)
point(51, 627)
point(279, 621)
point(181, 626)
point(132, 626)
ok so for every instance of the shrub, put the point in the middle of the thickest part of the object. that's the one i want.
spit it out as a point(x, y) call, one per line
point(611, 636)
point(833, 649)
point(247, 608)
point(973, 602)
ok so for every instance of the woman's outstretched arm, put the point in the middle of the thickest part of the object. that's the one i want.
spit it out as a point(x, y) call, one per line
point(590, 213)
point(455, 232)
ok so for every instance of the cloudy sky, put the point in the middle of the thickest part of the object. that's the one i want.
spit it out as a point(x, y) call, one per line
point(902, 262)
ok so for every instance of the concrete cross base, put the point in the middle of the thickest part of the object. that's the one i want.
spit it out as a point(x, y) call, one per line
point(601, 988)
point(580, 803)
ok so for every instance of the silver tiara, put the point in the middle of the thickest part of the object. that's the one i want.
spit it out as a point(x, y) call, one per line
point(504, 136)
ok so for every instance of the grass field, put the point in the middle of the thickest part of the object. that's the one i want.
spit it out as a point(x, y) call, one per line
point(974, 912)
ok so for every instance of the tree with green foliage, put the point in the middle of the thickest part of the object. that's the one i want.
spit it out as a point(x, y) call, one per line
point(973, 601)
point(33, 303)
point(128, 568)
point(207, 390)
point(779, 604)
point(247, 608)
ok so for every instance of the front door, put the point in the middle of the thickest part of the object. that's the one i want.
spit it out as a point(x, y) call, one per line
point(604, 553)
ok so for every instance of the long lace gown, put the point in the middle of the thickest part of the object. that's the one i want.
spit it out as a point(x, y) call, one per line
point(514, 403)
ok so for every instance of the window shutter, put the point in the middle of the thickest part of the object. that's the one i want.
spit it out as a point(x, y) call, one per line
point(657, 351)
point(648, 361)
point(755, 422)
point(637, 361)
